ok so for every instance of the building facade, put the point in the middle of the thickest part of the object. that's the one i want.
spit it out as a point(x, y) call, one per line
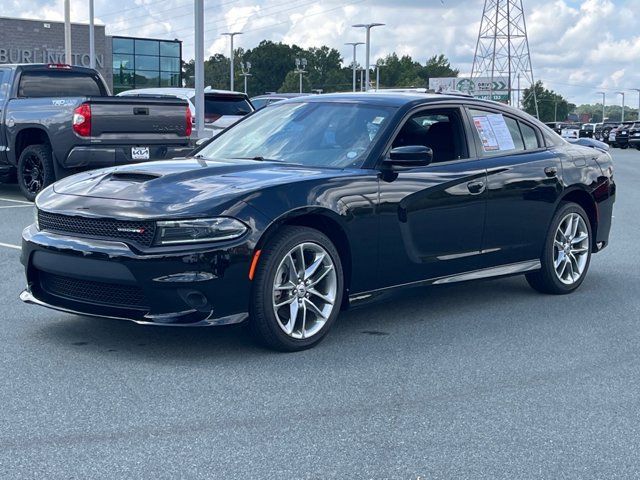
point(124, 62)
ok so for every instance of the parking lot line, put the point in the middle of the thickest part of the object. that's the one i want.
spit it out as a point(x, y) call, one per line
point(4, 199)
point(16, 206)
point(9, 245)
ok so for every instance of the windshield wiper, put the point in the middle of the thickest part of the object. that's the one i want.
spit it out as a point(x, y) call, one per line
point(258, 158)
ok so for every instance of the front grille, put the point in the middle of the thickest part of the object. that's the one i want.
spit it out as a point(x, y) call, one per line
point(140, 232)
point(110, 294)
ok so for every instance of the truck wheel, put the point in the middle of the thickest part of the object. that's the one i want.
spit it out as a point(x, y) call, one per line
point(35, 170)
point(297, 290)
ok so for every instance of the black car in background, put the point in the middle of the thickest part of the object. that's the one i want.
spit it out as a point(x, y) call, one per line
point(620, 134)
point(587, 130)
point(317, 204)
point(634, 135)
point(602, 131)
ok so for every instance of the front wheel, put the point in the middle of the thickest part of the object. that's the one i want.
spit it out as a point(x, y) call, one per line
point(567, 252)
point(297, 291)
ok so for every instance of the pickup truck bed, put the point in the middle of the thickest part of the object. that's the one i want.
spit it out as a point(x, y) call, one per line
point(47, 137)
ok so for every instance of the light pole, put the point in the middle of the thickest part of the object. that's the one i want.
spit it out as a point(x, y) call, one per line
point(301, 64)
point(354, 65)
point(361, 79)
point(199, 66)
point(622, 93)
point(246, 68)
point(368, 27)
point(378, 66)
point(232, 80)
point(638, 90)
point(67, 32)
point(92, 38)
point(604, 97)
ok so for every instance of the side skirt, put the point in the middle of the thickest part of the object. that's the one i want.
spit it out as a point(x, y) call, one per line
point(491, 272)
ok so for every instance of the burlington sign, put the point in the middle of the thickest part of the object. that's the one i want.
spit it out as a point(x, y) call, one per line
point(44, 55)
point(480, 87)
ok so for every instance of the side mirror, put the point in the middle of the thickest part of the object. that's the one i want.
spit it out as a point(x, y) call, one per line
point(411, 156)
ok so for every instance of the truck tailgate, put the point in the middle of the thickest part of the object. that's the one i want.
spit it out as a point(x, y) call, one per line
point(125, 120)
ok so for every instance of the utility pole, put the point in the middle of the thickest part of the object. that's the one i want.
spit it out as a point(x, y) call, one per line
point(368, 27)
point(362, 79)
point(301, 64)
point(231, 35)
point(622, 93)
point(199, 66)
point(92, 37)
point(604, 96)
point(67, 33)
point(354, 64)
point(246, 68)
point(555, 109)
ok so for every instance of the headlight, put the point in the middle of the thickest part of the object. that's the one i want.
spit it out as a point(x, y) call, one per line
point(197, 231)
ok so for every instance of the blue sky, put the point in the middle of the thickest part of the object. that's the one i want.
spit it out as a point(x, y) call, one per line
point(577, 47)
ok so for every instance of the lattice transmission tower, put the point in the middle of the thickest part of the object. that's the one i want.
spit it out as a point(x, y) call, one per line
point(503, 47)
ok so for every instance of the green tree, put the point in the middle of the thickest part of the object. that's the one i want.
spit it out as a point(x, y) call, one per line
point(291, 83)
point(551, 106)
point(437, 66)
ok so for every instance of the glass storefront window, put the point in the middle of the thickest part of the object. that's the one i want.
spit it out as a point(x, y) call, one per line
point(168, 64)
point(122, 45)
point(143, 63)
point(170, 49)
point(147, 47)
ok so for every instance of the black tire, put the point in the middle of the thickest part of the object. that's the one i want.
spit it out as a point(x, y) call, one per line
point(35, 170)
point(545, 280)
point(263, 323)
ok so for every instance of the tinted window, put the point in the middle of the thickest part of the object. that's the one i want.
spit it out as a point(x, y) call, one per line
point(215, 107)
point(530, 137)
point(496, 133)
point(258, 103)
point(147, 47)
point(59, 83)
point(307, 133)
point(4, 84)
point(439, 130)
point(170, 49)
point(122, 45)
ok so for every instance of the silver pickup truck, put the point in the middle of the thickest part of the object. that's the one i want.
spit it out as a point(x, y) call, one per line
point(56, 120)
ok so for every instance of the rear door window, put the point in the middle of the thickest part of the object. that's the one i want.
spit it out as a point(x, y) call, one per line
point(59, 83)
point(216, 106)
point(529, 136)
point(496, 133)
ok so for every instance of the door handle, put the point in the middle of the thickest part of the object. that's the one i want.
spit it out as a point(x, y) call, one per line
point(551, 171)
point(475, 187)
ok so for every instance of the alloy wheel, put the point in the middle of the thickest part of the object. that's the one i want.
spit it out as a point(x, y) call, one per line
point(304, 290)
point(571, 249)
point(33, 174)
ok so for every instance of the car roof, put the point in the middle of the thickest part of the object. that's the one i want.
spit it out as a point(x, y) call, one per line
point(189, 92)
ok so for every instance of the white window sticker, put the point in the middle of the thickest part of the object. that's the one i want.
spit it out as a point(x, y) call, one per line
point(494, 133)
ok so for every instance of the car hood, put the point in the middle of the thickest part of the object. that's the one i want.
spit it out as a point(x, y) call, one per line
point(185, 181)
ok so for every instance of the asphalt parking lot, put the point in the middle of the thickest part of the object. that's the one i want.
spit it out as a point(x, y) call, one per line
point(478, 380)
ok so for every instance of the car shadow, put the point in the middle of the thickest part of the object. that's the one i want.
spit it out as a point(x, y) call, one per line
point(417, 306)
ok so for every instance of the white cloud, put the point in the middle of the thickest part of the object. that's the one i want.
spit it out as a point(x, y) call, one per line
point(577, 47)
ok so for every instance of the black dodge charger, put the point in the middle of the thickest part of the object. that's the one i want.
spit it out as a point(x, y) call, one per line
point(313, 205)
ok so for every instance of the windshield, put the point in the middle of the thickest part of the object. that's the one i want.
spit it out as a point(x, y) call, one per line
point(315, 134)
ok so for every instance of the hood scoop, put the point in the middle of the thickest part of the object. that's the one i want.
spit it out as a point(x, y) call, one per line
point(134, 177)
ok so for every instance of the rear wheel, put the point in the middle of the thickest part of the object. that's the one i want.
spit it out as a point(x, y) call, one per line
point(35, 170)
point(567, 252)
point(297, 289)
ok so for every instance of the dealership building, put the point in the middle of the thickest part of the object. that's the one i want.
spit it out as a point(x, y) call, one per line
point(124, 62)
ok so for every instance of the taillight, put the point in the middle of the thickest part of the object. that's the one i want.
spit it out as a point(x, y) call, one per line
point(189, 128)
point(82, 120)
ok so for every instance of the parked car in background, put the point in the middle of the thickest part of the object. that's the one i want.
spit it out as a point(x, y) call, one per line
point(222, 108)
point(262, 101)
point(634, 135)
point(56, 120)
point(587, 130)
point(602, 131)
point(619, 136)
point(310, 206)
point(556, 126)
point(570, 131)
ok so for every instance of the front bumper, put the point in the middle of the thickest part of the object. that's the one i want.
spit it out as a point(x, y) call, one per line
point(208, 285)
